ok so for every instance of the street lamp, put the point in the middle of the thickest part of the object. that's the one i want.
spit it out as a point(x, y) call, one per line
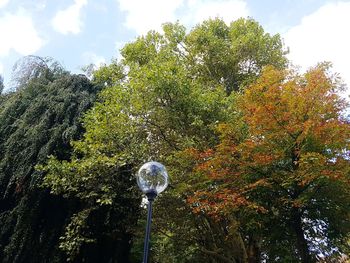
point(152, 178)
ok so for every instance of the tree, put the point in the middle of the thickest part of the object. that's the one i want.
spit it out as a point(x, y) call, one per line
point(283, 168)
point(159, 101)
point(34, 67)
point(2, 86)
point(37, 120)
point(232, 55)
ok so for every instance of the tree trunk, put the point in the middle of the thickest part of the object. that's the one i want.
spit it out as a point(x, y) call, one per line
point(302, 246)
point(253, 250)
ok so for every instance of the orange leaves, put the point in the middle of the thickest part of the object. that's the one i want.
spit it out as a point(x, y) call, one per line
point(206, 154)
point(315, 166)
point(294, 139)
point(219, 203)
point(281, 105)
point(198, 155)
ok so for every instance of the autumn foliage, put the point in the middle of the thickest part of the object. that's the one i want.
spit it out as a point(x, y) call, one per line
point(283, 164)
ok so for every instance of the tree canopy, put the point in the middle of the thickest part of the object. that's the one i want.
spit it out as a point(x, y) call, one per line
point(286, 178)
point(167, 94)
point(37, 120)
point(258, 154)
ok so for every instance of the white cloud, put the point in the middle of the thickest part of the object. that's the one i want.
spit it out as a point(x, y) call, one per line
point(69, 20)
point(1, 68)
point(19, 34)
point(323, 36)
point(143, 16)
point(90, 57)
point(3, 3)
point(118, 46)
point(228, 10)
point(40, 5)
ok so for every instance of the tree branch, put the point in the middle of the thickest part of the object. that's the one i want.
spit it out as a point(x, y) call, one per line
point(217, 255)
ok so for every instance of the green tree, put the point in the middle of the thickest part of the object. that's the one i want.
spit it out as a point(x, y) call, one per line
point(35, 67)
point(167, 94)
point(99, 176)
point(37, 120)
point(232, 55)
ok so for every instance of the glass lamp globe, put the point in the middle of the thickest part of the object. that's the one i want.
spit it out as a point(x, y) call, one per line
point(152, 177)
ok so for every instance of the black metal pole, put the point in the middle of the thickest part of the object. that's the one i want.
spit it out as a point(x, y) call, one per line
point(150, 197)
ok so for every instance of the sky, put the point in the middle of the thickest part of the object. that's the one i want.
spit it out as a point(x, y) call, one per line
point(80, 32)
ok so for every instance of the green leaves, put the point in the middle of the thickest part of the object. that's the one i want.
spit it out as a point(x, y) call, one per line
point(75, 235)
point(234, 55)
point(39, 119)
point(167, 94)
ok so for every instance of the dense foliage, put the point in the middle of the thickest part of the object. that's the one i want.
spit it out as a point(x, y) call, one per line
point(285, 180)
point(168, 94)
point(38, 119)
point(258, 155)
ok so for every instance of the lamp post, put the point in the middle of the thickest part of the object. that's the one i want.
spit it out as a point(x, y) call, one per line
point(152, 179)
